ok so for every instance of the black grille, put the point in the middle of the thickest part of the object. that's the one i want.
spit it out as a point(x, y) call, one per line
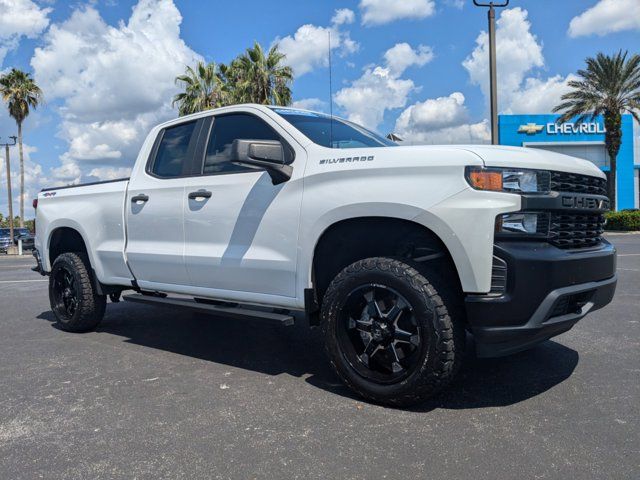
point(574, 183)
point(569, 230)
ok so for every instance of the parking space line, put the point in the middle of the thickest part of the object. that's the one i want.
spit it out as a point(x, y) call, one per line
point(629, 254)
point(23, 281)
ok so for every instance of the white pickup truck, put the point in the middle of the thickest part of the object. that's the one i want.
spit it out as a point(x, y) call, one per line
point(396, 252)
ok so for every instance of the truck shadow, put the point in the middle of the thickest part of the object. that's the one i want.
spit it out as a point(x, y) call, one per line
point(298, 351)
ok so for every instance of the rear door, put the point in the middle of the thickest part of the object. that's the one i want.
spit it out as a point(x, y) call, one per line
point(241, 234)
point(155, 208)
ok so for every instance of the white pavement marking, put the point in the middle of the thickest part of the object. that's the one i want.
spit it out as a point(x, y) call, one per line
point(629, 254)
point(22, 281)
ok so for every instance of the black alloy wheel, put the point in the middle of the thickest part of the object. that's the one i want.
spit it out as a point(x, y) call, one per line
point(379, 334)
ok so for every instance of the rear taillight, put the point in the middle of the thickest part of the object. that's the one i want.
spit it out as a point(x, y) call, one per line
point(35, 203)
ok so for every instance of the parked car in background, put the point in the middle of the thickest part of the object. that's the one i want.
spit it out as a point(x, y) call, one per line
point(5, 239)
point(23, 233)
point(19, 233)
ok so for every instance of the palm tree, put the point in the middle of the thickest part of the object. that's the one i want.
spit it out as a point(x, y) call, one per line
point(609, 86)
point(20, 93)
point(256, 77)
point(203, 89)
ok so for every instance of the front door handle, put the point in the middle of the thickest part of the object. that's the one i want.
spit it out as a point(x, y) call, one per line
point(199, 194)
point(140, 198)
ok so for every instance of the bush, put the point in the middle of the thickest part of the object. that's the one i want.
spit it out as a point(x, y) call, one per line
point(626, 220)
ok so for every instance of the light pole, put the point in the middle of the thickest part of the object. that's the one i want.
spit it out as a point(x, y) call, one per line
point(492, 63)
point(8, 164)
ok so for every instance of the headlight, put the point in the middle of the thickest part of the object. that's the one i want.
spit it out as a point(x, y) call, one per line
point(530, 224)
point(513, 180)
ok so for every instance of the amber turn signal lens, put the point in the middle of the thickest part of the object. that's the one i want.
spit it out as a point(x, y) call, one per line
point(486, 180)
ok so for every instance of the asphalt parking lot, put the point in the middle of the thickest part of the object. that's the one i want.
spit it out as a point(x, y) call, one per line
point(157, 393)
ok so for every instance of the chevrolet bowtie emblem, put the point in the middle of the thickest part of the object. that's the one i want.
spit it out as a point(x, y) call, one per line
point(530, 128)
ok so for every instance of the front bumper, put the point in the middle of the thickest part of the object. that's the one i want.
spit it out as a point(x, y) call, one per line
point(547, 291)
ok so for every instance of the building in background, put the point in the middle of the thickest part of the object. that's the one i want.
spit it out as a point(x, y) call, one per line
point(584, 140)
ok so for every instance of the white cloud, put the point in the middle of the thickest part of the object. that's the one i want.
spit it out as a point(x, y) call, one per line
point(519, 53)
point(607, 16)
point(378, 12)
point(401, 56)
point(20, 18)
point(539, 96)
point(114, 83)
point(380, 88)
point(464, 134)
point(440, 120)
point(307, 48)
point(108, 173)
point(310, 104)
point(343, 16)
point(433, 113)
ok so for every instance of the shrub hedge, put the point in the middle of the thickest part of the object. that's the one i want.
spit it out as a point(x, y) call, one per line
point(626, 220)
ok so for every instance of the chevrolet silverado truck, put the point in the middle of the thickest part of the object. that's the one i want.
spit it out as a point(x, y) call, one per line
point(398, 253)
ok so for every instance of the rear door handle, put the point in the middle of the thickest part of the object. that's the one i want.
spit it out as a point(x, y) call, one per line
point(140, 198)
point(200, 194)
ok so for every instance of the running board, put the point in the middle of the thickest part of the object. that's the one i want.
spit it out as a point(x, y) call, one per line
point(229, 312)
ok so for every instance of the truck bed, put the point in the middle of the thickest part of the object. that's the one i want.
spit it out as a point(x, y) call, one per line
point(96, 211)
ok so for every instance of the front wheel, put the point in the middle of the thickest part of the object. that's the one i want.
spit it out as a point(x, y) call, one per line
point(76, 305)
point(388, 332)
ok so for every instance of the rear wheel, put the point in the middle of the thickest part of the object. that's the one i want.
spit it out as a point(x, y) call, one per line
point(74, 302)
point(389, 334)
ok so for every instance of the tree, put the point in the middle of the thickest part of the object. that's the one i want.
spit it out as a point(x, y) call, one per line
point(609, 86)
point(257, 77)
point(252, 77)
point(20, 93)
point(203, 89)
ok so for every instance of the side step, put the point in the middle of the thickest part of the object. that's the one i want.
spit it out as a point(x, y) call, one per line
point(229, 312)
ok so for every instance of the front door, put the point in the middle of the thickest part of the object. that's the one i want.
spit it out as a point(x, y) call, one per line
point(241, 231)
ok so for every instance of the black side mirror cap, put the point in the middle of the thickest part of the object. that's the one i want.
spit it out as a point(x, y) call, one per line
point(262, 154)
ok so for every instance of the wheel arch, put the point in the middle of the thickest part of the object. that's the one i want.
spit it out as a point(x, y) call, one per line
point(63, 239)
point(351, 239)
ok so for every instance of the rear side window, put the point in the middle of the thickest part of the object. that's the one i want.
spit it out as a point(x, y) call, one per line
point(225, 130)
point(173, 151)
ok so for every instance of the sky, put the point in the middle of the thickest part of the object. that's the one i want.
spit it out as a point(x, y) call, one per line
point(418, 68)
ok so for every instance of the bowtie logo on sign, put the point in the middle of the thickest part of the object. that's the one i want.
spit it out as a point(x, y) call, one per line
point(530, 128)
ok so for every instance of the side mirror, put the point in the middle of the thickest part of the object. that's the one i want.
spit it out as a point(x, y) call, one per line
point(263, 154)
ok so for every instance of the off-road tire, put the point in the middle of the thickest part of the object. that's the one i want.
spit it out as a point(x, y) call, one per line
point(440, 355)
point(90, 306)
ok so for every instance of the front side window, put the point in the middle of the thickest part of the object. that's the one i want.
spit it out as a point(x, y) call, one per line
point(226, 129)
point(173, 151)
point(332, 132)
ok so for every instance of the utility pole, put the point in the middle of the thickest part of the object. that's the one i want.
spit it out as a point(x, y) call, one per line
point(8, 169)
point(493, 86)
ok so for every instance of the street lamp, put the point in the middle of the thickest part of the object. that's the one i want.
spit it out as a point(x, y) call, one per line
point(10, 205)
point(492, 63)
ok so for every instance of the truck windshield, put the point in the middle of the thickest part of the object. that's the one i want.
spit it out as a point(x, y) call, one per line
point(332, 132)
point(5, 232)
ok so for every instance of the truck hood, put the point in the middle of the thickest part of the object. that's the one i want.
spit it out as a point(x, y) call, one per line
point(501, 156)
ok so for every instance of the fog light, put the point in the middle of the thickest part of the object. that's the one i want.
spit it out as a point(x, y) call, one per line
point(522, 223)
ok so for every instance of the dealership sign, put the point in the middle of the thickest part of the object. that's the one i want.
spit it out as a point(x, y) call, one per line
point(592, 128)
